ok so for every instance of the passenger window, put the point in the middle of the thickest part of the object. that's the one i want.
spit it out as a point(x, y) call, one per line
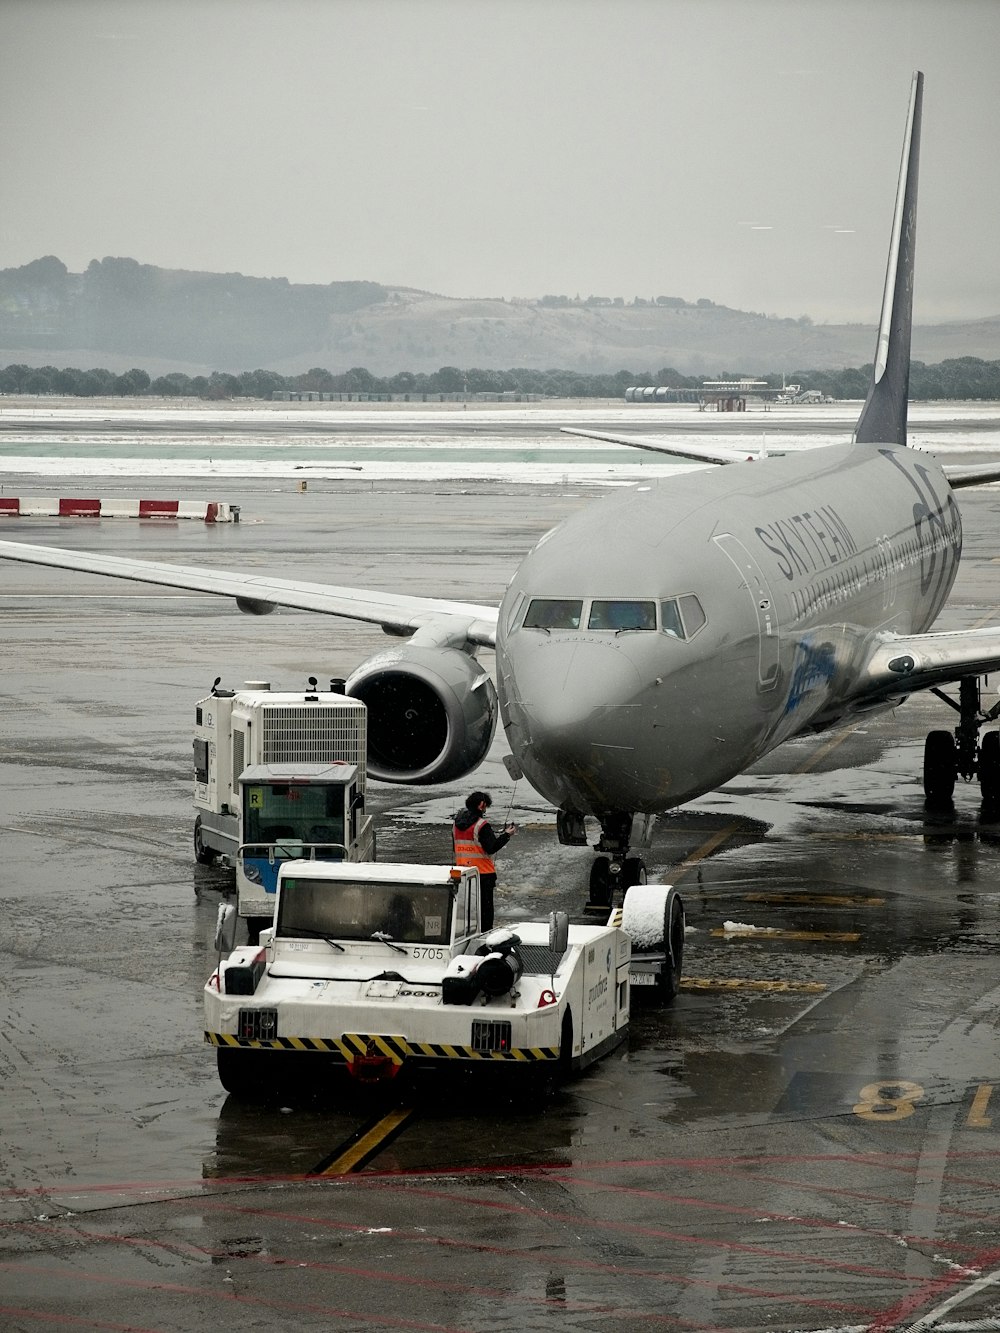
point(670, 617)
point(692, 613)
point(619, 615)
point(552, 613)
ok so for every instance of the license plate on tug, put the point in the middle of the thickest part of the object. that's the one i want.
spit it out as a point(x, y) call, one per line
point(641, 979)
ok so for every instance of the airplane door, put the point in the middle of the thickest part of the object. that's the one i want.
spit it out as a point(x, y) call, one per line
point(766, 612)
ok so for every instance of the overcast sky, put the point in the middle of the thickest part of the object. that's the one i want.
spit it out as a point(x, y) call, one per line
point(740, 150)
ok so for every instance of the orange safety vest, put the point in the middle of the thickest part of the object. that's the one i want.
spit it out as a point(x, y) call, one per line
point(468, 851)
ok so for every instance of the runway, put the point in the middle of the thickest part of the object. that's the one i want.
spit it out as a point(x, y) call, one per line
point(807, 1139)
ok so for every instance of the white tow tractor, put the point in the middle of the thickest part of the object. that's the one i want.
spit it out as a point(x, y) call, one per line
point(278, 776)
point(376, 968)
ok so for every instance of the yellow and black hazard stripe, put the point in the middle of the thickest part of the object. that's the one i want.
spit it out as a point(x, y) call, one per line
point(397, 1049)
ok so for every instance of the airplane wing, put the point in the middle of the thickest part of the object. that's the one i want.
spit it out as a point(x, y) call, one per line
point(698, 453)
point(958, 477)
point(977, 475)
point(904, 663)
point(260, 594)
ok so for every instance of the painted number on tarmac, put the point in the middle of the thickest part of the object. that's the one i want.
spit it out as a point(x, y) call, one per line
point(888, 1101)
point(896, 1100)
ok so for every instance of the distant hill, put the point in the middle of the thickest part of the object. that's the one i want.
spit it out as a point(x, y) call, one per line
point(121, 314)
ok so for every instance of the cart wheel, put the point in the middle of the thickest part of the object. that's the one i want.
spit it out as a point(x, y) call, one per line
point(202, 854)
point(644, 908)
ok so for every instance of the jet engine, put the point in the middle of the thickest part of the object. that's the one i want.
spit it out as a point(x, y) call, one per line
point(432, 713)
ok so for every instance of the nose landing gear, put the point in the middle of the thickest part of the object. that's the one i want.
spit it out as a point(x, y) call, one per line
point(614, 870)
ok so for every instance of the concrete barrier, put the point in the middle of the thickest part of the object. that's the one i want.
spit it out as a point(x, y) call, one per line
point(43, 506)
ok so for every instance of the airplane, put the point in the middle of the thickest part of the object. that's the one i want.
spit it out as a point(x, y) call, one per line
point(660, 641)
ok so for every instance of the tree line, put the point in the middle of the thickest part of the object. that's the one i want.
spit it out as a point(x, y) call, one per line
point(965, 377)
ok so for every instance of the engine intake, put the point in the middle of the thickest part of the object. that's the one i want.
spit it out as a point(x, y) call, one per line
point(432, 713)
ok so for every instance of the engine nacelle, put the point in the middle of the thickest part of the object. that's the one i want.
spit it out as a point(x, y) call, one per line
point(432, 713)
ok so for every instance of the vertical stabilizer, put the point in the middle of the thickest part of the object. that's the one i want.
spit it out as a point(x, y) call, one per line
point(883, 417)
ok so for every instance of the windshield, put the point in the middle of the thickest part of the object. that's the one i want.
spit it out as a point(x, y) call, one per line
point(345, 910)
point(293, 814)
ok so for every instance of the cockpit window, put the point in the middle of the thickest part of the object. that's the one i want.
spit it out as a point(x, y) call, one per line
point(619, 615)
point(682, 616)
point(670, 614)
point(692, 614)
point(553, 613)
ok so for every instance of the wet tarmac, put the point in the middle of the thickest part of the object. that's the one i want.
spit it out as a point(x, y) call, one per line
point(807, 1139)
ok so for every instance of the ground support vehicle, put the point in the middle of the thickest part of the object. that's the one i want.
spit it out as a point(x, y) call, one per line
point(278, 775)
point(372, 968)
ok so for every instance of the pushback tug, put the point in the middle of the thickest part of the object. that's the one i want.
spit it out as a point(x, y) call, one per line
point(376, 968)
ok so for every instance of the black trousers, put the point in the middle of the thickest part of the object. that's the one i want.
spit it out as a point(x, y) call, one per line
point(487, 883)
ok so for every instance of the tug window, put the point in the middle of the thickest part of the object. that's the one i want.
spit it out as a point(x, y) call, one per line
point(553, 613)
point(621, 615)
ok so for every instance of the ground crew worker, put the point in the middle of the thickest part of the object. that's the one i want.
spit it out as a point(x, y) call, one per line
point(476, 844)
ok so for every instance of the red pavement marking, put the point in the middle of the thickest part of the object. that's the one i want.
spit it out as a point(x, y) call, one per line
point(711, 1205)
point(539, 1256)
point(938, 1286)
point(381, 1319)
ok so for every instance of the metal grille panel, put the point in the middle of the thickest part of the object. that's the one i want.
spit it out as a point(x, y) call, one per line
point(257, 1024)
point(239, 757)
point(296, 734)
point(538, 960)
point(491, 1036)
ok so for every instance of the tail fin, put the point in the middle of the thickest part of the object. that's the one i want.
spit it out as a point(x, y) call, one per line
point(883, 417)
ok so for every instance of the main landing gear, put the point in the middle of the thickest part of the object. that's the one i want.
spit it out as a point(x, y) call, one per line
point(614, 870)
point(962, 753)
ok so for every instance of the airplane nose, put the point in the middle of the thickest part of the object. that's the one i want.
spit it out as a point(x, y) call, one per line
point(573, 695)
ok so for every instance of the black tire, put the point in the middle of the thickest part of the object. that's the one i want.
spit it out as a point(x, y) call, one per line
point(601, 887)
point(638, 917)
point(204, 855)
point(940, 767)
point(566, 1046)
point(633, 872)
point(989, 768)
point(673, 929)
point(242, 1072)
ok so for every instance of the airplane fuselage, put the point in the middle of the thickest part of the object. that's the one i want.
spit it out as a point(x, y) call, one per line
point(759, 587)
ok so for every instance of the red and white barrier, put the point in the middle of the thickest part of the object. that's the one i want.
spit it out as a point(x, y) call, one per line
point(47, 507)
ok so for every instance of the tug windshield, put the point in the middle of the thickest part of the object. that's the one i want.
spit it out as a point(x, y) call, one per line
point(290, 816)
point(311, 908)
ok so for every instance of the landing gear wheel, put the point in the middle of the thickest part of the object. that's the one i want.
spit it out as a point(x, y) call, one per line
point(202, 854)
point(989, 768)
point(634, 871)
point(600, 883)
point(940, 767)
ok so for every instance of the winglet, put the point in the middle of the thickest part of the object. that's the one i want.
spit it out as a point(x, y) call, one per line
point(883, 417)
